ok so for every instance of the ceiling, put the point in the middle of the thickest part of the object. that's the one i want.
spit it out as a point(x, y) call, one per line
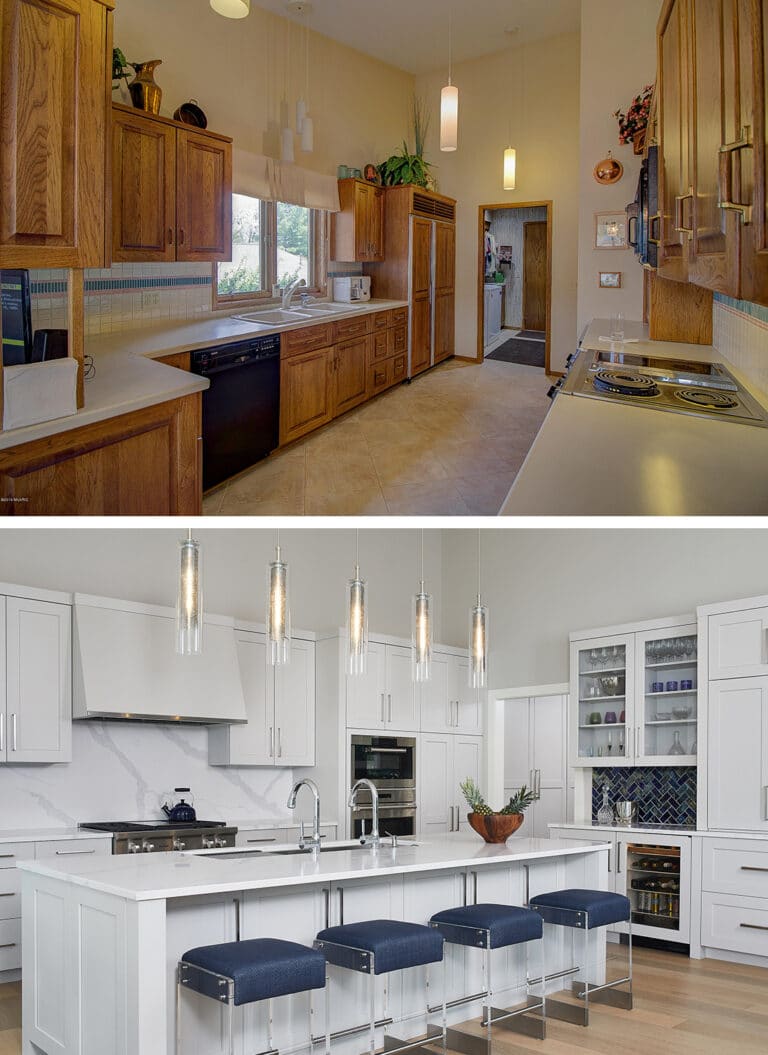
point(413, 34)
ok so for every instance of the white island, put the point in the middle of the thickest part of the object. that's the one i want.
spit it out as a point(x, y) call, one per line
point(102, 936)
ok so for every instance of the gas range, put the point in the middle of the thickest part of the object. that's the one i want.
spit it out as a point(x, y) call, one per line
point(678, 386)
point(135, 837)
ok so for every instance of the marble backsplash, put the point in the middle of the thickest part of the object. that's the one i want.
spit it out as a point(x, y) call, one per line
point(121, 771)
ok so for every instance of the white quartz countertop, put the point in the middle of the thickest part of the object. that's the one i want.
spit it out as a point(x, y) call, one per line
point(148, 877)
point(593, 457)
point(638, 829)
point(127, 380)
point(40, 835)
point(284, 822)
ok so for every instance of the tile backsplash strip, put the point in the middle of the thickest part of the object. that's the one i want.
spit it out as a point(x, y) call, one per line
point(741, 335)
point(663, 794)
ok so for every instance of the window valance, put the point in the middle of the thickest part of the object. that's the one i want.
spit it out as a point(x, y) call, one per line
point(262, 177)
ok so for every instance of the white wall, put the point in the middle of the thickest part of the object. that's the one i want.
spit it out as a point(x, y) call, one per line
point(541, 584)
point(618, 58)
point(119, 771)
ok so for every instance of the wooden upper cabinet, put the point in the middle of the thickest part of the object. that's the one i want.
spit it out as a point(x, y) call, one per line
point(203, 197)
point(143, 192)
point(357, 231)
point(171, 190)
point(752, 167)
point(675, 190)
point(55, 82)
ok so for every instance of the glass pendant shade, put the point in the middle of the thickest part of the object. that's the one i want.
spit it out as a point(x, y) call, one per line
point(308, 135)
point(286, 141)
point(421, 640)
point(301, 113)
point(449, 118)
point(478, 645)
point(189, 603)
point(357, 625)
point(231, 8)
point(510, 168)
point(278, 613)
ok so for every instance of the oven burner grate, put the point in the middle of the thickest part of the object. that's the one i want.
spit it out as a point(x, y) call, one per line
point(625, 383)
point(704, 399)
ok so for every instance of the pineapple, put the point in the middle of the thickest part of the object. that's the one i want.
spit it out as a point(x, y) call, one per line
point(520, 802)
point(474, 797)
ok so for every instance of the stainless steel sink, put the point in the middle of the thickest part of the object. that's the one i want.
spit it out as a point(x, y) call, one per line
point(328, 309)
point(287, 851)
point(274, 317)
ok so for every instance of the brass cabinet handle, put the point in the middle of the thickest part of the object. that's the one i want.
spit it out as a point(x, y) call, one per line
point(651, 221)
point(181, 236)
point(725, 181)
point(170, 236)
point(679, 199)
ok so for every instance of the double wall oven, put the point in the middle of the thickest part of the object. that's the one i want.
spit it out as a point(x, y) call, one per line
point(389, 762)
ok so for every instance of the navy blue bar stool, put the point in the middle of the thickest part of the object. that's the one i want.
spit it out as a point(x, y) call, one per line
point(379, 947)
point(586, 910)
point(243, 972)
point(489, 927)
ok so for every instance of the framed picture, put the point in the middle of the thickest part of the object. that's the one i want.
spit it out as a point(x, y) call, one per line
point(505, 254)
point(610, 280)
point(611, 230)
point(371, 174)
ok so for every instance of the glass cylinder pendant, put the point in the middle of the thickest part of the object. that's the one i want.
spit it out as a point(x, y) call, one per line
point(449, 118)
point(510, 168)
point(478, 645)
point(278, 614)
point(308, 135)
point(189, 602)
point(357, 625)
point(421, 640)
point(231, 8)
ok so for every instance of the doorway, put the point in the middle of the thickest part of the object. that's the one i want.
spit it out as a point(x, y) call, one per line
point(515, 283)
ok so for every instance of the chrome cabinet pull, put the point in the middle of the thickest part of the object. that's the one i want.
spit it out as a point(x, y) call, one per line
point(618, 858)
point(753, 868)
point(341, 906)
point(389, 701)
point(279, 742)
point(327, 907)
point(382, 708)
point(725, 176)
point(464, 887)
point(271, 839)
point(765, 803)
point(271, 742)
point(474, 885)
point(746, 926)
point(527, 895)
point(8, 945)
point(609, 859)
point(69, 853)
point(2, 732)
point(13, 732)
point(11, 894)
point(6, 857)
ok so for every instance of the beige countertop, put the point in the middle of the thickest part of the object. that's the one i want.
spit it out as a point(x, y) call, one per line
point(593, 457)
point(127, 380)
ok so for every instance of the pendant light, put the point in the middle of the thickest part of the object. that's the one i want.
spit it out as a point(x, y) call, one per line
point(189, 601)
point(421, 622)
point(510, 168)
point(286, 133)
point(478, 635)
point(231, 8)
point(278, 610)
point(357, 618)
point(449, 103)
point(304, 124)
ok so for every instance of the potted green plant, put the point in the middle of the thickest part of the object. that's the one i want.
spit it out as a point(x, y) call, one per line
point(495, 826)
point(404, 168)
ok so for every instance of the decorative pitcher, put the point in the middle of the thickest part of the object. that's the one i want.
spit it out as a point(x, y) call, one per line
point(146, 95)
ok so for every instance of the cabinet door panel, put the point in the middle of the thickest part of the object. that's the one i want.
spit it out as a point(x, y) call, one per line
point(306, 395)
point(469, 716)
point(203, 198)
point(3, 665)
point(421, 275)
point(738, 754)
point(549, 809)
point(366, 698)
point(738, 644)
point(295, 707)
point(39, 681)
point(377, 224)
point(467, 763)
point(435, 783)
point(436, 704)
point(675, 202)
point(548, 739)
point(445, 257)
point(402, 711)
point(350, 373)
point(445, 312)
point(363, 216)
point(143, 192)
point(252, 744)
point(421, 333)
point(517, 752)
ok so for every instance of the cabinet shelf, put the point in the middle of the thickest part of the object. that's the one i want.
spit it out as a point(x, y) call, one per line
point(672, 721)
point(601, 699)
point(655, 919)
point(676, 692)
point(598, 671)
point(603, 725)
point(668, 664)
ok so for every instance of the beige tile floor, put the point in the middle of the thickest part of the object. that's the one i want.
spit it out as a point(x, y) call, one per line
point(448, 444)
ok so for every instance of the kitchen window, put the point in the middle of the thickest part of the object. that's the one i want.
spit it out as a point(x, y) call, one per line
point(272, 243)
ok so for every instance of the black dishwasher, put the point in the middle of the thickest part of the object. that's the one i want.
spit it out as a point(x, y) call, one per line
point(241, 409)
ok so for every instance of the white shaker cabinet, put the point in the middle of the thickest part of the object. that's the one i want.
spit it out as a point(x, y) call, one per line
point(534, 756)
point(445, 761)
point(448, 703)
point(385, 696)
point(737, 770)
point(738, 644)
point(279, 704)
point(35, 680)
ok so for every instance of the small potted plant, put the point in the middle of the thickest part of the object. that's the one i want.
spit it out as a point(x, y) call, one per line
point(495, 826)
point(633, 124)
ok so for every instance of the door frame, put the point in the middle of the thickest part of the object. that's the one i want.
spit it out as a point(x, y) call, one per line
point(481, 211)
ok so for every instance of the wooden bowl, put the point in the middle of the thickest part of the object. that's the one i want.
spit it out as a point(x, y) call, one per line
point(495, 827)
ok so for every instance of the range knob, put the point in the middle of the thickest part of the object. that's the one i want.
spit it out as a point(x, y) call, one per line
point(147, 847)
point(208, 843)
point(179, 844)
point(134, 848)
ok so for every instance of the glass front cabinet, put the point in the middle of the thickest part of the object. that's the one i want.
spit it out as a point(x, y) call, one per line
point(634, 698)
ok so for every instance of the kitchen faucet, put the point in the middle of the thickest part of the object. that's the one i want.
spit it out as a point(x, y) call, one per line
point(373, 839)
point(289, 290)
point(314, 841)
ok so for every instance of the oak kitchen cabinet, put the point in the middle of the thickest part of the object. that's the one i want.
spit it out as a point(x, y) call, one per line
point(35, 679)
point(171, 190)
point(144, 463)
point(279, 704)
point(55, 83)
point(357, 231)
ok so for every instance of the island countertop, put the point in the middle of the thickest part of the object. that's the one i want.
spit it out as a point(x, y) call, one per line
point(152, 877)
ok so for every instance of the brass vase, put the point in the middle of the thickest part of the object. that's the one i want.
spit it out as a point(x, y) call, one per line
point(145, 94)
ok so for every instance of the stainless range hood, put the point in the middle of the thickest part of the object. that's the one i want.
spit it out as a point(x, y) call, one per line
point(125, 666)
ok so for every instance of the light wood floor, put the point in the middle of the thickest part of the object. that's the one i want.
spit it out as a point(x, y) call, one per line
point(682, 1007)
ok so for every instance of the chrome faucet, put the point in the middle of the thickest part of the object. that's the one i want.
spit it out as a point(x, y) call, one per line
point(314, 841)
point(289, 290)
point(372, 839)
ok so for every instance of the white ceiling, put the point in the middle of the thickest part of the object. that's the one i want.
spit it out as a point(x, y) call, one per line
point(413, 34)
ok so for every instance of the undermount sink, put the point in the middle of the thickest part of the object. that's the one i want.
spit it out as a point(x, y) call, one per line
point(274, 317)
point(286, 851)
point(328, 309)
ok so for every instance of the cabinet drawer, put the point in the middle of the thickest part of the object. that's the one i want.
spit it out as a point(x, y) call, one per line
point(387, 373)
point(306, 340)
point(10, 944)
point(735, 866)
point(735, 923)
point(398, 317)
point(74, 848)
point(10, 893)
point(348, 328)
point(12, 853)
point(379, 347)
point(381, 320)
point(268, 836)
point(398, 339)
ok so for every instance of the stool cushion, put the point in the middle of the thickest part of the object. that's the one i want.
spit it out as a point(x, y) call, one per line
point(260, 968)
point(507, 924)
point(602, 906)
point(394, 944)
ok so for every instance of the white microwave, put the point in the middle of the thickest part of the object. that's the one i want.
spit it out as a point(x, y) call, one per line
point(348, 290)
